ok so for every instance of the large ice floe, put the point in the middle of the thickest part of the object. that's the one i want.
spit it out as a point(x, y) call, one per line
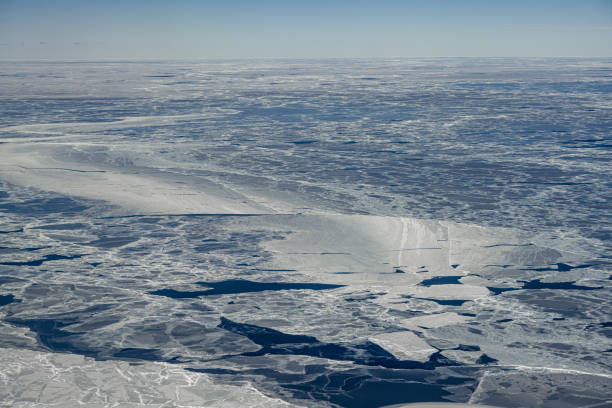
point(406, 233)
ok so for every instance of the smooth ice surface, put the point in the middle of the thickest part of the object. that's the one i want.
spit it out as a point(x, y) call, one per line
point(404, 345)
point(353, 233)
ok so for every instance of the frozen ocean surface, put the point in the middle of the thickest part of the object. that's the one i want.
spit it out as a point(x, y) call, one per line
point(329, 233)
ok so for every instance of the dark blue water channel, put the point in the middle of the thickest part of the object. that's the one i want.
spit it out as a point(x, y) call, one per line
point(236, 286)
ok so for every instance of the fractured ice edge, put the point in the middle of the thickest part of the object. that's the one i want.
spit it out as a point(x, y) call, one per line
point(306, 233)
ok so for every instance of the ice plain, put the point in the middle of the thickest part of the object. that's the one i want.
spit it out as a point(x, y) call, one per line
point(308, 233)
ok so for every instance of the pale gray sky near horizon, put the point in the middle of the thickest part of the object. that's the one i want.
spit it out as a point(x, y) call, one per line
point(189, 29)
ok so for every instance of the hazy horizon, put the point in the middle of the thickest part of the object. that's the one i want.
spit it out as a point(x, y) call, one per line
point(138, 30)
point(220, 59)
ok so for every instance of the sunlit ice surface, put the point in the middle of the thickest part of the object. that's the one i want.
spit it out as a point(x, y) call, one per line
point(333, 233)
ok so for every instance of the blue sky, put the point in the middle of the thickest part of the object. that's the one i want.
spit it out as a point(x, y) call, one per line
point(69, 29)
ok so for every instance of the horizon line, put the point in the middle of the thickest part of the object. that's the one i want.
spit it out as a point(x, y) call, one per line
point(110, 59)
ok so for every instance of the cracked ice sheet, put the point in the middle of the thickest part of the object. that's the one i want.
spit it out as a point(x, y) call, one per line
point(439, 405)
point(39, 379)
point(425, 152)
point(434, 320)
point(547, 388)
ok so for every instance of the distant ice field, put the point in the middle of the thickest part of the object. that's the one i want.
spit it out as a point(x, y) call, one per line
point(334, 233)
